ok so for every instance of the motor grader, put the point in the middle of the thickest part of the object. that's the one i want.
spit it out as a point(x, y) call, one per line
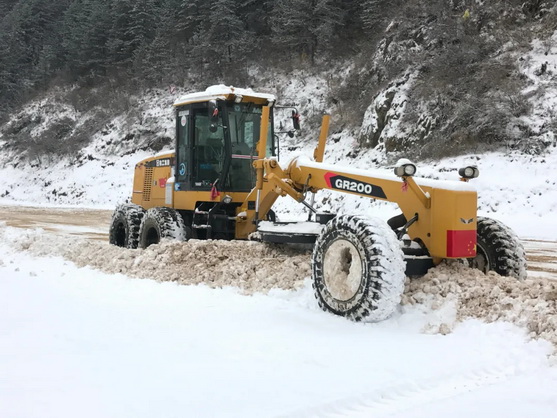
point(223, 178)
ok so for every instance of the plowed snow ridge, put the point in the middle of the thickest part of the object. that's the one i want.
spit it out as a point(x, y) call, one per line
point(256, 267)
point(250, 266)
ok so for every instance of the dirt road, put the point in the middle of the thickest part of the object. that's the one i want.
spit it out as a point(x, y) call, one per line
point(90, 223)
point(94, 224)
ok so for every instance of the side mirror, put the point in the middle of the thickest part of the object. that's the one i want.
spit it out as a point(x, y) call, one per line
point(296, 120)
point(213, 111)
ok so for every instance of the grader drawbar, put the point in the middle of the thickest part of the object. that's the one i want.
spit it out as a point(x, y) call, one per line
point(223, 178)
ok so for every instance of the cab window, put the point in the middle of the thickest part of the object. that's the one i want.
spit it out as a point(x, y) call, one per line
point(208, 150)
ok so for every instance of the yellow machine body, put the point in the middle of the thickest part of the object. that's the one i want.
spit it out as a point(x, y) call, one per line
point(444, 212)
point(153, 186)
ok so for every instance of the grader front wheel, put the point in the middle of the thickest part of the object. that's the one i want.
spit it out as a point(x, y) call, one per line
point(358, 268)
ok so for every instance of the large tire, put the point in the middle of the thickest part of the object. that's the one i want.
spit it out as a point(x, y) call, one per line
point(358, 268)
point(124, 227)
point(499, 249)
point(159, 223)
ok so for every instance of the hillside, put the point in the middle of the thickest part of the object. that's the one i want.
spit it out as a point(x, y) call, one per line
point(457, 76)
point(444, 84)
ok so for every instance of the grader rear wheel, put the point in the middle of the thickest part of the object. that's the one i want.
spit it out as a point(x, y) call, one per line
point(358, 269)
point(124, 226)
point(159, 223)
point(498, 249)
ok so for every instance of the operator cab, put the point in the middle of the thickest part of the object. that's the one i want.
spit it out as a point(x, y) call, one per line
point(217, 133)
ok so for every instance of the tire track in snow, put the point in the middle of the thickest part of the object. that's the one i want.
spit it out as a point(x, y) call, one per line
point(542, 258)
point(408, 395)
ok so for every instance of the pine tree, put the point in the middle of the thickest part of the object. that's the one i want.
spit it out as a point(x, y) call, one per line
point(304, 26)
point(373, 14)
point(257, 16)
point(85, 32)
point(29, 36)
point(223, 39)
point(133, 24)
point(6, 6)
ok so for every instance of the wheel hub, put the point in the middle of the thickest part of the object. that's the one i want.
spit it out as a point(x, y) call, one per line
point(342, 269)
point(481, 260)
point(153, 236)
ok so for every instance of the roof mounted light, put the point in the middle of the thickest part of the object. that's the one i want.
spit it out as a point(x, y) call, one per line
point(470, 172)
point(405, 168)
point(238, 98)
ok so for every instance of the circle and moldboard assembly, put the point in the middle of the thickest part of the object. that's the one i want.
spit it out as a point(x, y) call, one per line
point(289, 232)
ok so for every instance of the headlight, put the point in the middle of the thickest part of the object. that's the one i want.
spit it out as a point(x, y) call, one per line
point(405, 168)
point(470, 172)
point(226, 199)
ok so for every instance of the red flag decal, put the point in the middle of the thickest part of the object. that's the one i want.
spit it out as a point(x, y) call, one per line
point(461, 244)
point(214, 192)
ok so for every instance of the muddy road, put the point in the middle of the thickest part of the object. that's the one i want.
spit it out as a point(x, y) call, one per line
point(94, 224)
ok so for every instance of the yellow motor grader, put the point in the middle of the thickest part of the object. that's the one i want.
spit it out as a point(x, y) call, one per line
point(223, 178)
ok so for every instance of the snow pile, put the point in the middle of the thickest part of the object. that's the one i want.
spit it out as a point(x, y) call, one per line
point(531, 303)
point(253, 267)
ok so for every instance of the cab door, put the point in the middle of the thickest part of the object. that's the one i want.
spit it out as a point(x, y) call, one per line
point(200, 148)
point(208, 148)
point(183, 173)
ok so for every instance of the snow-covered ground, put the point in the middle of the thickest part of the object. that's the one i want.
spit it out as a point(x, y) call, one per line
point(79, 342)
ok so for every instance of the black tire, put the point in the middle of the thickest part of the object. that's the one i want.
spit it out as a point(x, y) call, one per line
point(124, 227)
point(369, 290)
point(159, 223)
point(499, 249)
point(271, 216)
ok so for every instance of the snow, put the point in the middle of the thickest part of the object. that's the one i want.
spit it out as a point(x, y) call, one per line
point(164, 153)
point(294, 227)
point(221, 92)
point(382, 118)
point(403, 161)
point(78, 342)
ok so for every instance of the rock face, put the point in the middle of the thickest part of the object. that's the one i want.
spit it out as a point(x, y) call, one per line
point(383, 116)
